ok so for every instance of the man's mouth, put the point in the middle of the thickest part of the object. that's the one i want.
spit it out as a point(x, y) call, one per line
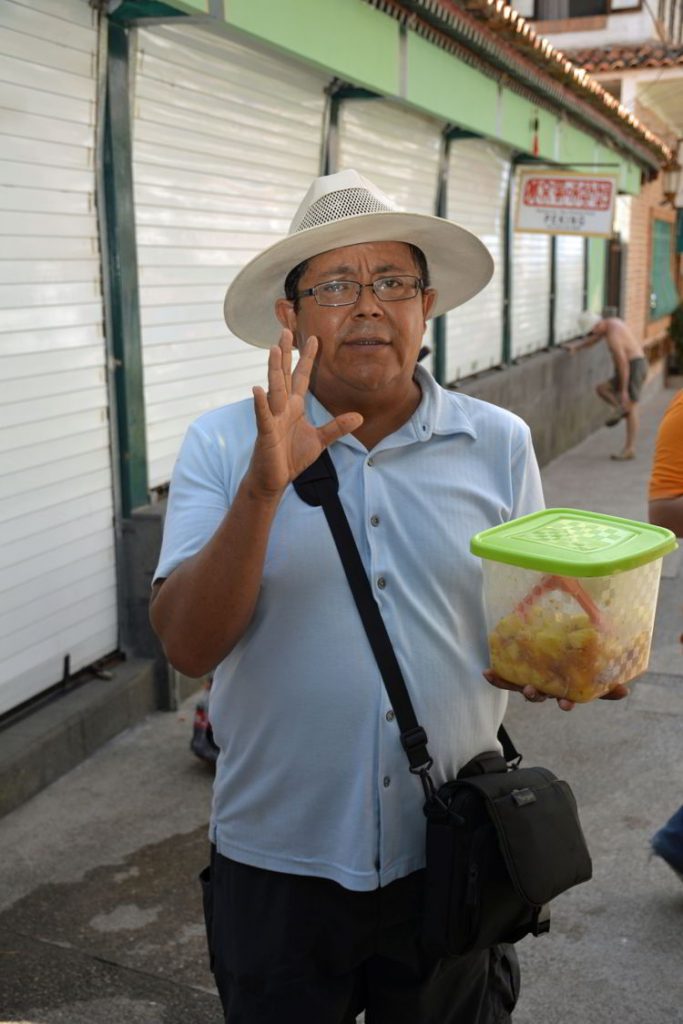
point(367, 342)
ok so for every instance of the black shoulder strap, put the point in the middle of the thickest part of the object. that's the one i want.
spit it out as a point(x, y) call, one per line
point(319, 486)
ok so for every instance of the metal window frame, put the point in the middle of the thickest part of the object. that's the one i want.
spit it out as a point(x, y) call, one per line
point(450, 133)
point(121, 281)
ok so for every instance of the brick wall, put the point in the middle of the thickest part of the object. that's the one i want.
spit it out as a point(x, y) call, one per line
point(644, 208)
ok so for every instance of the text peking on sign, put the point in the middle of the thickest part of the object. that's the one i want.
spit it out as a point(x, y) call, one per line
point(565, 202)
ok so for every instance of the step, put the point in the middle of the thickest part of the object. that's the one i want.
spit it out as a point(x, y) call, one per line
point(45, 743)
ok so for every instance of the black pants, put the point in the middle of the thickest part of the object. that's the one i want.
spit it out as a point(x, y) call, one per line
point(287, 949)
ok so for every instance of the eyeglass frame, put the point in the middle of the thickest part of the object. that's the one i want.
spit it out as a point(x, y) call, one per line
point(419, 287)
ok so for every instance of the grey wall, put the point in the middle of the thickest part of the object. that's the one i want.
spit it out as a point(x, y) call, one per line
point(554, 392)
point(140, 552)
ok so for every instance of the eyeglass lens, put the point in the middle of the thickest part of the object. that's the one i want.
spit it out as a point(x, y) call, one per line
point(387, 289)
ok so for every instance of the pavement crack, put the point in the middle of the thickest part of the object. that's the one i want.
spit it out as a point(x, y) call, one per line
point(107, 962)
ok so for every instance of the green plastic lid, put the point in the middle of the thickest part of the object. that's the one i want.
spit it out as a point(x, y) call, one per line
point(571, 542)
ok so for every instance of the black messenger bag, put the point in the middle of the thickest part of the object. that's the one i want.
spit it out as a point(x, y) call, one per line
point(502, 841)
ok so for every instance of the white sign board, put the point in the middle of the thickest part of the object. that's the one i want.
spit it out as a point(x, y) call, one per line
point(565, 203)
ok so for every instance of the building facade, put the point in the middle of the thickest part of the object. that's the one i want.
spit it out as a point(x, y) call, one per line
point(149, 150)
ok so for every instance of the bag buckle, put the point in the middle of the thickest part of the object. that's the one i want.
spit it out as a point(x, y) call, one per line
point(426, 780)
point(412, 738)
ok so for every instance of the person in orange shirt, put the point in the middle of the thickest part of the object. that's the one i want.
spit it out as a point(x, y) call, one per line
point(666, 509)
point(666, 482)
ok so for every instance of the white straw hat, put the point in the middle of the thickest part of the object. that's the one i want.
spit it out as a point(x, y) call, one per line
point(587, 321)
point(346, 209)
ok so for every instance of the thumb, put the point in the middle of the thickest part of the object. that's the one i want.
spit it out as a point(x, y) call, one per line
point(338, 427)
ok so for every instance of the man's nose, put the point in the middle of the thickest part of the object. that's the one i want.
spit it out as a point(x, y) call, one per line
point(368, 304)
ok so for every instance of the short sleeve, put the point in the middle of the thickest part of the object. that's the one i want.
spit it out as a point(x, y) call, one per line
point(666, 480)
point(526, 479)
point(197, 501)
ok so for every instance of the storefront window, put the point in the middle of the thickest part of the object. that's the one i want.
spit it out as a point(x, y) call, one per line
point(663, 295)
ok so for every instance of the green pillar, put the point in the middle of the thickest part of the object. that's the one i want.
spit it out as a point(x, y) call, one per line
point(553, 288)
point(123, 276)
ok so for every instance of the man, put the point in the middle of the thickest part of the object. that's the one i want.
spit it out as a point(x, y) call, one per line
point(665, 492)
point(622, 391)
point(313, 898)
point(665, 508)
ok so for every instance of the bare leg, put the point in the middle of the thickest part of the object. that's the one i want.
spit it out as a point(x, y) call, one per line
point(632, 423)
point(605, 392)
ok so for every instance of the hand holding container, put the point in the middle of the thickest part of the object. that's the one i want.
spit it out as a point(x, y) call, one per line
point(570, 599)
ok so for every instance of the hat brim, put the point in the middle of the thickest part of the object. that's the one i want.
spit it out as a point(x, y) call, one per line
point(459, 264)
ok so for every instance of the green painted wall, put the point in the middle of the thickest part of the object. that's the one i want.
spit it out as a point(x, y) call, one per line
point(442, 85)
point(353, 41)
point(547, 128)
point(575, 147)
point(631, 174)
point(346, 37)
point(597, 266)
point(516, 121)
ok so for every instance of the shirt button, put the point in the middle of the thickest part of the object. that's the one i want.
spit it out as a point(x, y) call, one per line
point(374, 520)
point(381, 583)
point(386, 781)
point(390, 716)
point(370, 462)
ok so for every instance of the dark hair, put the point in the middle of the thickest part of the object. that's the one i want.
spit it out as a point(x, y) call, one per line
point(292, 281)
point(295, 275)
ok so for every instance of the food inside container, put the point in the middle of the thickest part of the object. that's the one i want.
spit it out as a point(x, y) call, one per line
point(570, 599)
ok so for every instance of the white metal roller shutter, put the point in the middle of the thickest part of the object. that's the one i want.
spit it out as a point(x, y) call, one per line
point(530, 291)
point(398, 151)
point(478, 173)
point(57, 571)
point(226, 143)
point(569, 274)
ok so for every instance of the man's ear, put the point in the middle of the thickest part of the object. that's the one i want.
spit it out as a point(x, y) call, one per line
point(284, 311)
point(428, 299)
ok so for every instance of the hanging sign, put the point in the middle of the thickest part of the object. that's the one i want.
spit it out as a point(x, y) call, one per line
point(565, 202)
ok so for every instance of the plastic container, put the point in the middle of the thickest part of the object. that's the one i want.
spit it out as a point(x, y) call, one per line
point(570, 599)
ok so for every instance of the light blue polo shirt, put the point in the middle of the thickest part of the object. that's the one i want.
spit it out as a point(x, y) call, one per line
point(312, 778)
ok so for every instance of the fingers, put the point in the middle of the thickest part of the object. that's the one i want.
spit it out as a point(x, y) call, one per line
point(533, 695)
point(617, 692)
point(302, 375)
point(277, 390)
point(495, 680)
point(500, 683)
point(286, 345)
point(530, 693)
point(338, 427)
point(264, 419)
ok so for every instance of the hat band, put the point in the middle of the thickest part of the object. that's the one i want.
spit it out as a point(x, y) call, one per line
point(348, 202)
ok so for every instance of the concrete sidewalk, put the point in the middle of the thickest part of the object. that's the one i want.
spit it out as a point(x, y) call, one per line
point(100, 919)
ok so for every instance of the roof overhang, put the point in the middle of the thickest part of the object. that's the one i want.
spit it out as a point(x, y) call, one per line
point(492, 36)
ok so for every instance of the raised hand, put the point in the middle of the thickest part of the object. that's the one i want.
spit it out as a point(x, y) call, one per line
point(286, 442)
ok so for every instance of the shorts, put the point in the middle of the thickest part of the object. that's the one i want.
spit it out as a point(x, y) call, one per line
point(637, 372)
point(292, 949)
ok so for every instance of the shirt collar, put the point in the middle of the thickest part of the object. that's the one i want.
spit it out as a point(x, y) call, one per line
point(439, 412)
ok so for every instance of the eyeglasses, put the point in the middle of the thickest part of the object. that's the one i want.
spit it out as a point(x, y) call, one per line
point(346, 293)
